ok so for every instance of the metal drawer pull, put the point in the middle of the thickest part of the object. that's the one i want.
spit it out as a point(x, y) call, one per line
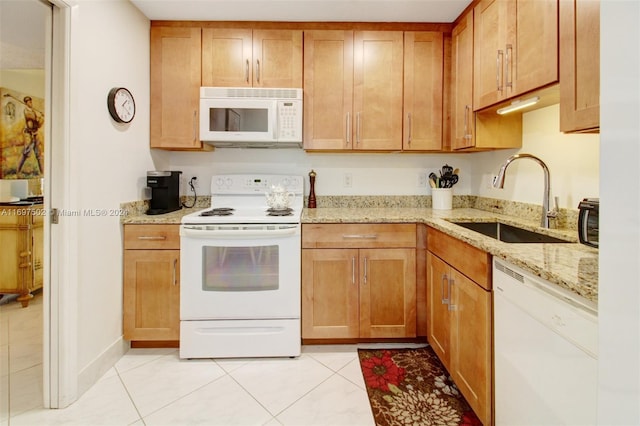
point(149, 238)
point(353, 270)
point(444, 300)
point(360, 236)
point(175, 273)
point(508, 68)
point(258, 70)
point(409, 138)
point(365, 270)
point(348, 135)
point(499, 61)
point(246, 72)
point(452, 307)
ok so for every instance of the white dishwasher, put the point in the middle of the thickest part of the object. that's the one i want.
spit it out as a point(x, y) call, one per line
point(545, 351)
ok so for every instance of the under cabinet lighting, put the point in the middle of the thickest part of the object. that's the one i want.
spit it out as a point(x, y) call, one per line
point(518, 105)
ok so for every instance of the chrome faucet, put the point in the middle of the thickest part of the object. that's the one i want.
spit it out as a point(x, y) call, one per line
point(498, 182)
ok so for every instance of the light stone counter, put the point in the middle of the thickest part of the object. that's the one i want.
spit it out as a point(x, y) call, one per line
point(572, 266)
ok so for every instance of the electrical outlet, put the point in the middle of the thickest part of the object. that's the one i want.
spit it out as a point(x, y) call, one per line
point(347, 180)
point(422, 180)
point(488, 179)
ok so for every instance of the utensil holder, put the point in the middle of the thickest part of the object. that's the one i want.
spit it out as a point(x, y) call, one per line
point(441, 198)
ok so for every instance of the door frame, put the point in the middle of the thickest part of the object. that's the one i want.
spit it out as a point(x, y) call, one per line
point(60, 376)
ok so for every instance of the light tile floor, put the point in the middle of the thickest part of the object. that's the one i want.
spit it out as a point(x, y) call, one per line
point(20, 357)
point(324, 386)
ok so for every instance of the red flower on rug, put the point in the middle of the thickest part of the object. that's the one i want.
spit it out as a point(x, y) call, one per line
point(379, 372)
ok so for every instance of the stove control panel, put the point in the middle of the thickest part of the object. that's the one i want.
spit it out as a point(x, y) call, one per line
point(255, 183)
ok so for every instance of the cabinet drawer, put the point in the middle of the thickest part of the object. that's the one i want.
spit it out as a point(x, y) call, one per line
point(352, 235)
point(471, 261)
point(151, 237)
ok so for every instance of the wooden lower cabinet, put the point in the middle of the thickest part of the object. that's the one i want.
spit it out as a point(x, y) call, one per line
point(152, 283)
point(459, 314)
point(21, 239)
point(352, 293)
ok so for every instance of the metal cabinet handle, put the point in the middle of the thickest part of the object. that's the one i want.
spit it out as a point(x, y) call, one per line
point(444, 300)
point(195, 125)
point(452, 307)
point(360, 236)
point(365, 271)
point(348, 135)
point(149, 237)
point(509, 66)
point(358, 128)
point(353, 270)
point(499, 61)
point(467, 120)
point(175, 273)
point(246, 72)
point(258, 70)
point(409, 138)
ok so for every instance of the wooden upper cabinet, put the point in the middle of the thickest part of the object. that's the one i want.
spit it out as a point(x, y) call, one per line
point(175, 87)
point(579, 65)
point(515, 48)
point(353, 90)
point(462, 116)
point(328, 89)
point(377, 93)
point(423, 88)
point(251, 58)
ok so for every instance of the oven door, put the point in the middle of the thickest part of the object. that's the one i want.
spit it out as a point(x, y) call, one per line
point(239, 271)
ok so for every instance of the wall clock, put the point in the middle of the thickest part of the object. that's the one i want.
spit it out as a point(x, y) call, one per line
point(121, 105)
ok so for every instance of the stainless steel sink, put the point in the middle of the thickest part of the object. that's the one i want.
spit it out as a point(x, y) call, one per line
point(509, 233)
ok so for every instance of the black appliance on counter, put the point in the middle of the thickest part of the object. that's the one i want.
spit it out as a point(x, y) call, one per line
point(165, 191)
point(588, 221)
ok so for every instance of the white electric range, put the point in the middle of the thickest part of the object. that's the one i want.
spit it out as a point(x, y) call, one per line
point(240, 271)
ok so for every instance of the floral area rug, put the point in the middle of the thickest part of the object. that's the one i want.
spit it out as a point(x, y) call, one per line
point(412, 387)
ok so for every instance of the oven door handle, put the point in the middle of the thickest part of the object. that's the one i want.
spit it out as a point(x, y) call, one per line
point(237, 233)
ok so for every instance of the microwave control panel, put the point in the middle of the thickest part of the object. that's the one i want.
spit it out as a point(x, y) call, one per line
point(289, 120)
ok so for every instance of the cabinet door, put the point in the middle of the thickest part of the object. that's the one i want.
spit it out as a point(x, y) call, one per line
point(387, 293)
point(438, 321)
point(329, 293)
point(462, 116)
point(579, 65)
point(328, 90)
point(471, 343)
point(533, 61)
point(377, 99)
point(277, 58)
point(152, 294)
point(489, 52)
point(423, 74)
point(175, 87)
point(227, 59)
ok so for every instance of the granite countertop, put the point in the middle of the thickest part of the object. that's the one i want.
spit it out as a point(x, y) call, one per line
point(572, 266)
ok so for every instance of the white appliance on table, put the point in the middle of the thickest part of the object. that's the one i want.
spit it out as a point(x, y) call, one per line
point(240, 271)
point(546, 353)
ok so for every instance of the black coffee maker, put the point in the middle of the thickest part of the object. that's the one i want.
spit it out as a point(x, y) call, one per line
point(165, 191)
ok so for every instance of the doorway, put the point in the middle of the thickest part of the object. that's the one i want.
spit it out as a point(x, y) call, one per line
point(25, 58)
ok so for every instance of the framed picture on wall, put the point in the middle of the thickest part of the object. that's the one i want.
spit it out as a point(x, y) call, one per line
point(21, 135)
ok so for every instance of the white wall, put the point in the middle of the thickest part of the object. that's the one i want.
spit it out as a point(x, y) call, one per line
point(371, 174)
point(619, 276)
point(109, 47)
point(572, 159)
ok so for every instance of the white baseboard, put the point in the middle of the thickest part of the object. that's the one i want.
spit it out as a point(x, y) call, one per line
point(99, 366)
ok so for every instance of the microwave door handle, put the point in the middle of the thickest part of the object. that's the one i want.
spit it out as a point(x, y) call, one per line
point(275, 123)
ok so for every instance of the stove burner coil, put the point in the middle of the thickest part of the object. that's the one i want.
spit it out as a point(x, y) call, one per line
point(220, 211)
point(280, 212)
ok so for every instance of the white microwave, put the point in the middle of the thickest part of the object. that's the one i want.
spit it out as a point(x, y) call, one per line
point(251, 117)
